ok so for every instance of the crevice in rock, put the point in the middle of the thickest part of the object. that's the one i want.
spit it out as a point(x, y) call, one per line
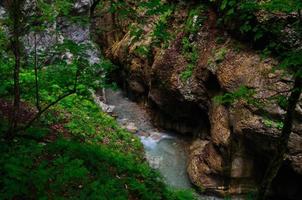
point(180, 116)
point(193, 122)
point(212, 85)
point(287, 185)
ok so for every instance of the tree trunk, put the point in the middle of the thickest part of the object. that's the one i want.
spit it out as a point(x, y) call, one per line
point(93, 6)
point(278, 158)
point(15, 13)
point(36, 76)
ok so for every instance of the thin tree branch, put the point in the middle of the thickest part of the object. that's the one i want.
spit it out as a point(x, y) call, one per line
point(38, 115)
point(281, 147)
point(36, 76)
point(42, 111)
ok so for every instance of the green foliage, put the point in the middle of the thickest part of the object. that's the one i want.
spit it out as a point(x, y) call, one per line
point(242, 93)
point(107, 67)
point(244, 13)
point(6, 64)
point(195, 19)
point(6, 83)
point(143, 51)
point(61, 76)
point(154, 7)
point(160, 33)
point(191, 54)
point(75, 151)
point(273, 124)
point(190, 51)
point(88, 123)
point(282, 101)
point(89, 164)
point(220, 40)
point(135, 32)
point(3, 38)
point(48, 12)
point(286, 6)
point(292, 60)
point(185, 75)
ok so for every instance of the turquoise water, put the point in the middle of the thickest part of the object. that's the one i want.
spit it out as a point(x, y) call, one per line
point(164, 150)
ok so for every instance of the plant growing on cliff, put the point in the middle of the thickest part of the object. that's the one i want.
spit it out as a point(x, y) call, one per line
point(160, 33)
point(190, 51)
point(195, 19)
point(187, 73)
point(219, 56)
point(242, 93)
point(143, 51)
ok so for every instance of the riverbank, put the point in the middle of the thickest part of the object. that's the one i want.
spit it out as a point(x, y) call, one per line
point(78, 152)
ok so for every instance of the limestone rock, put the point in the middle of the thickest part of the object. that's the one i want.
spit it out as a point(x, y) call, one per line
point(220, 130)
point(237, 141)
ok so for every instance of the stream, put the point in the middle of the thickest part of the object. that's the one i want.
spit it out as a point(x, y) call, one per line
point(164, 150)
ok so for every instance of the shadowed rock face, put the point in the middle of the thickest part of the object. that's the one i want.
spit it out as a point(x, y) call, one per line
point(233, 143)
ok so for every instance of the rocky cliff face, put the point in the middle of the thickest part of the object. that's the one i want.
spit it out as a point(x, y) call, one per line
point(233, 142)
point(59, 30)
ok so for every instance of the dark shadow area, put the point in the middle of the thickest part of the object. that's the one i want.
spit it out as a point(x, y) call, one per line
point(287, 185)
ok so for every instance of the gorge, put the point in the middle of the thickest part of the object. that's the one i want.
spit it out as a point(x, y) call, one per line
point(232, 143)
point(198, 89)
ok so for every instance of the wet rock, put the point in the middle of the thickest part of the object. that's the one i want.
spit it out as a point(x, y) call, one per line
point(204, 162)
point(154, 161)
point(136, 87)
point(105, 108)
point(143, 133)
point(83, 6)
point(131, 127)
point(156, 136)
point(241, 168)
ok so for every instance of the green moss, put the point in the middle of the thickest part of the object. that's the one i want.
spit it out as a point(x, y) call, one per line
point(187, 73)
point(273, 124)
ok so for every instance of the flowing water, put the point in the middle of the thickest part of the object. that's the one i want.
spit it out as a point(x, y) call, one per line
point(164, 150)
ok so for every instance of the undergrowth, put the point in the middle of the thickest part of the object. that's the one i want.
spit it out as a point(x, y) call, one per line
point(90, 157)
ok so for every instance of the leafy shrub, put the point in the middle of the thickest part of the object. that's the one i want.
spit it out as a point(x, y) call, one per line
point(242, 92)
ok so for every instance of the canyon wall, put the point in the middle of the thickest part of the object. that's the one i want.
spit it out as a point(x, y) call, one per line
point(233, 142)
